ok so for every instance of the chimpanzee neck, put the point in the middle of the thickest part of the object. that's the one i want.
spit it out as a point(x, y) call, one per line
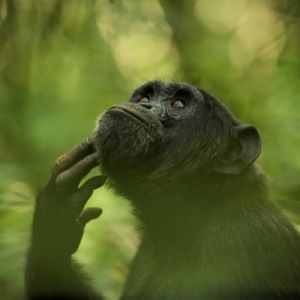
point(181, 208)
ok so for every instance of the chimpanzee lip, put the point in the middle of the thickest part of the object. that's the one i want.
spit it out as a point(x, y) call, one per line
point(131, 113)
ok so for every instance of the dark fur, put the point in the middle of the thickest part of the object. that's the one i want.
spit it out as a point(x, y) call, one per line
point(209, 229)
point(206, 235)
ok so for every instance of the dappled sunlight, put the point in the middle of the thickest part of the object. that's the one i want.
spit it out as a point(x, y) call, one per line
point(221, 18)
point(142, 44)
point(258, 39)
point(63, 63)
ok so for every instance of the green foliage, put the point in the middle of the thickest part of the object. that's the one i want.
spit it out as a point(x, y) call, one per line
point(65, 62)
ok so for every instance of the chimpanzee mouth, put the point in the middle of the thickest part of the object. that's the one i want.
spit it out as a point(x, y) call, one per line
point(133, 114)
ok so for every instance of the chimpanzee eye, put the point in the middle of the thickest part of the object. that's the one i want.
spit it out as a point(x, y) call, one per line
point(178, 104)
point(144, 100)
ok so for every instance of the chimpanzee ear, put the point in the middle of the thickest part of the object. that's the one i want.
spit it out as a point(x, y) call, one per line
point(242, 153)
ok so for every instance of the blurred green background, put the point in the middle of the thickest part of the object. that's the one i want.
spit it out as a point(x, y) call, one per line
point(64, 62)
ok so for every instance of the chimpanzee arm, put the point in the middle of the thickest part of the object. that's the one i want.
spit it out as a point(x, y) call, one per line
point(57, 229)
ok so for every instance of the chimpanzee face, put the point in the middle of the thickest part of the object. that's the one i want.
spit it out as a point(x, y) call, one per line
point(162, 129)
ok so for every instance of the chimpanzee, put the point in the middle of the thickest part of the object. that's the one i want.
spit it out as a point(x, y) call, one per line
point(209, 229)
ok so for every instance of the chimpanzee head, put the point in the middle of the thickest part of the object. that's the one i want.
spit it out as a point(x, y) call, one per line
point(169, 130)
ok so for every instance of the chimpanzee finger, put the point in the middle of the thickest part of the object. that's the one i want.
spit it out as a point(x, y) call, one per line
point(89, 214)
point(82, 195)
point(74, 175)
point(77, 153)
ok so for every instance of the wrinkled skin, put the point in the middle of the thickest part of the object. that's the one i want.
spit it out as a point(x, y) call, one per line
point(208, 227)
point(58, 226)
point(156, 141)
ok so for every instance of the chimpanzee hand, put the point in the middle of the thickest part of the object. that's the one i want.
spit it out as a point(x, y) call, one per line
point(59, 217)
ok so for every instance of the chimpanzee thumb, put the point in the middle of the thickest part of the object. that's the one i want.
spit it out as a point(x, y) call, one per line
point(89, 214)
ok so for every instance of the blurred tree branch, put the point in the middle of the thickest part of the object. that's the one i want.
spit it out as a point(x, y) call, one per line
point(180, 16)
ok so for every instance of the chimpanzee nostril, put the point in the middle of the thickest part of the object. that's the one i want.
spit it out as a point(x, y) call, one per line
point(146, 105)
